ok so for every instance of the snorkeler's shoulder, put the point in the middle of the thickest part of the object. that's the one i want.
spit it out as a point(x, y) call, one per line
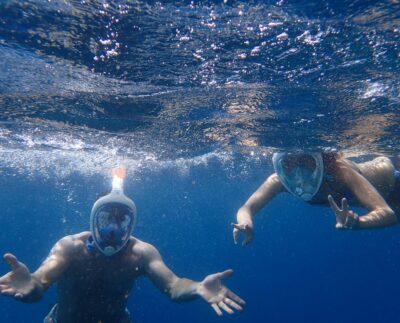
point(272, 184)
point(275, 182)
point(274, 177)
point(143, 250)
point(74, 242)
point(345, 167)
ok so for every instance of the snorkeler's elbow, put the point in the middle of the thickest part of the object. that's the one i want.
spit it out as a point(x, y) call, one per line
point(245, 210)
point(387, 217)
point(391, 217)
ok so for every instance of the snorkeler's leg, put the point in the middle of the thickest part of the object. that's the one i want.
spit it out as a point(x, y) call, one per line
point(396, 161)
point(394, 198)
point(52, 316)
point(127, 317)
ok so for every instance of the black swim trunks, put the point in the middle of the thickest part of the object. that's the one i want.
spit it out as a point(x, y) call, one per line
point(52, 317)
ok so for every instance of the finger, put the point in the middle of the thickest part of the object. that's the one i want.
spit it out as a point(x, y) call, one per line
point(238, 226)
point(339, 225)
point(225, 273)
point(8, 292)
point(19, 295)
point(12, 261)
point(235, 235)
point(333, 204)
point(233, 304)
point(4, 280)
point(352, 214)
point(236, 298)
point(216, 309)
point(247, 240)
point(225, 307)
point(345, 205)
point(351, 220)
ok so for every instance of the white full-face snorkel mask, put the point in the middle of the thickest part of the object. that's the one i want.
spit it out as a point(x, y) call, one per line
point(113, 218)
point(300, 173)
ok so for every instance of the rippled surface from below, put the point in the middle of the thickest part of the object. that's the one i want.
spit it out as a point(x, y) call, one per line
point(163, 81)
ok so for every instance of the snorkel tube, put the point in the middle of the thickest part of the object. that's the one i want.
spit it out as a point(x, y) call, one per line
point(111, 237)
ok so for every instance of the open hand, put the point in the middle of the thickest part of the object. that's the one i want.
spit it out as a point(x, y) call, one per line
point(248, 230)
point(217, 295)
point(18, 282)
point(345, 218)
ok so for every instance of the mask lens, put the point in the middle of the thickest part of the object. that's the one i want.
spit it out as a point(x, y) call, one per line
point(301, 174)
point(291, 162)
point(113, 223)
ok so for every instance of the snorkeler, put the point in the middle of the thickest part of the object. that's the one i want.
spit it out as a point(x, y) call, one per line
point(330, 179)
point(96, 270)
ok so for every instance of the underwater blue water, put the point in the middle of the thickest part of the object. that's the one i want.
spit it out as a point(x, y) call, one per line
point(298, 268)
point(194, 96)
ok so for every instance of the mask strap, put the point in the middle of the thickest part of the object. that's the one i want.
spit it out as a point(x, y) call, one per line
point(90, 243)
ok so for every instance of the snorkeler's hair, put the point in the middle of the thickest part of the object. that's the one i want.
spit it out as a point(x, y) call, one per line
point(330, 154)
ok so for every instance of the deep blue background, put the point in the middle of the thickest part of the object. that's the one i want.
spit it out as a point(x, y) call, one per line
point(298, 268)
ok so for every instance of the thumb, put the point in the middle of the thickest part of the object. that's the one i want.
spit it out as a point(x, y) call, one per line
point(236, 226)
point(339, 225)
point(12, 261)
point(247, 240)
point(225, 273)
point(235, 235)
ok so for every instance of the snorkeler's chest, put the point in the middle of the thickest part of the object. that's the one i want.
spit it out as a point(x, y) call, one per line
point(321, 196)
point(106, 271)
point(330, 188)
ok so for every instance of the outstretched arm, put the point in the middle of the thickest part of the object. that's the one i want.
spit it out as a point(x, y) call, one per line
point(265, 193)
point(379, 212)
point(178, 289)
point(22, 285)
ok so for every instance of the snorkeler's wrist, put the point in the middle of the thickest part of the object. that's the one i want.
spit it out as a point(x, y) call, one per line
point(245, 212)
point(352, 221)
point(185, 289)
point(246, 219)
point(35, 294)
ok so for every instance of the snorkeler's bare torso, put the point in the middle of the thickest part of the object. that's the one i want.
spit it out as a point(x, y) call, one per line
point(95, 287)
